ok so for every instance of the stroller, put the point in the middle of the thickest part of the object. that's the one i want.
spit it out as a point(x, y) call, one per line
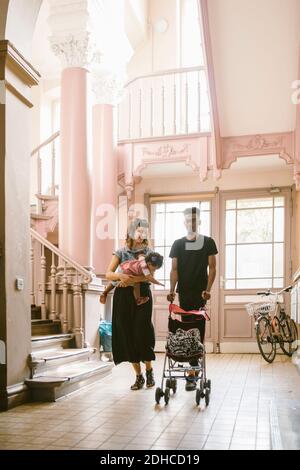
point(184, 345)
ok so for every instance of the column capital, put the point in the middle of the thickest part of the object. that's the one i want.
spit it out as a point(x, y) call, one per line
point(108, 87)
point(75, 50)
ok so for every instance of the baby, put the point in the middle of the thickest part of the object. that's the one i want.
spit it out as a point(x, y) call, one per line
point(143, 266)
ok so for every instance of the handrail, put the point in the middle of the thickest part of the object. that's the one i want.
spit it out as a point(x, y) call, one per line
point(60, 254)
point(167, 72)
point(46, 142)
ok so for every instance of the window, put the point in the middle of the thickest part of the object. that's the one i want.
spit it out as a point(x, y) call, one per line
point(254, 256)
point(55, 116)
point(168, 225)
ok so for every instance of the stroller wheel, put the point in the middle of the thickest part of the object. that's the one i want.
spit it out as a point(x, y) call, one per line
point(198, 396)
point(208, 384)
point(207, 396)
point(158, 394)
point(174, 385)
point(167, 395)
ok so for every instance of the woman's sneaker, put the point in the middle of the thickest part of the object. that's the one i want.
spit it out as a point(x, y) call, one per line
point(150, 378)
point(139, 382)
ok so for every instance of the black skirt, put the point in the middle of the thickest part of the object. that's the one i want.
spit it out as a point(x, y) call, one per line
point(133, 337)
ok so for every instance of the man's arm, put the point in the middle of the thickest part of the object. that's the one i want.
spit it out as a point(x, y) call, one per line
point(173, 280)
point(212, 262)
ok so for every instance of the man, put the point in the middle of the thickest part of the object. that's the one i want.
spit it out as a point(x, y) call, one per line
point(193, 271)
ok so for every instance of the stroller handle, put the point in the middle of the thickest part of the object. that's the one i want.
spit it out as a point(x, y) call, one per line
point(173, 308)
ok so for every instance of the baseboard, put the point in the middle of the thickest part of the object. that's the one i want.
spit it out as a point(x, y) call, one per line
point(239, 347)
point(14, 395)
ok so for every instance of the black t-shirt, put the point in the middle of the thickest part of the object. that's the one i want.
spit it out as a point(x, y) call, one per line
point(192, 262)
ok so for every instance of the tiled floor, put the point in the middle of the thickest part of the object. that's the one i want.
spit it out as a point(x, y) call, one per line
point(110, 416)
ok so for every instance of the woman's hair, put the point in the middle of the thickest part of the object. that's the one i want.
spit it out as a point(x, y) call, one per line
point(155, 259)
point(136, 223)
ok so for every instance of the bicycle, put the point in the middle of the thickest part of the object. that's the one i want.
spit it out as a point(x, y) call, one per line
point(273, 325)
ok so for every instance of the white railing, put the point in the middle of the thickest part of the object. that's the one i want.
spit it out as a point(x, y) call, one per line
point(169, 103)
point(45, 160)
point(57, 285)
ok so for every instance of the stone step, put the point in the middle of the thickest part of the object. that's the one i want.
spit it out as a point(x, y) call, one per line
point(40, 216)
point(66, 379)
point(46, 197)
point(45, 327)
point(45, 360)
point(53, 342)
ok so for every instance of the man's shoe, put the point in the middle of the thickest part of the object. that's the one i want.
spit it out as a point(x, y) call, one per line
point(190, 384)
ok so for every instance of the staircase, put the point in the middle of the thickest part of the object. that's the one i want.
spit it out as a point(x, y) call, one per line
point(44, 213)
point(60, 362)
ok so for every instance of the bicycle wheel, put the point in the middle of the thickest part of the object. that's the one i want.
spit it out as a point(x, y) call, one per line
point(265, 340)
point(289, 334)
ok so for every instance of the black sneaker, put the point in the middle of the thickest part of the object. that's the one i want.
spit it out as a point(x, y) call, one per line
point(139, 382)
point(190, 384)
point(150, 382)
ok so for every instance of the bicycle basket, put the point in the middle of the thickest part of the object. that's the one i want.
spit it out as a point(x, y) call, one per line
point(256, 309)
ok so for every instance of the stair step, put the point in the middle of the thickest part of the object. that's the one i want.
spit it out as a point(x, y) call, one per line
point(51, 342)
point(46, 197)
point(39, 321)
point(40, 216)
point(43, 361)
point(49, 356)
point(66, 379)
point(40, 327)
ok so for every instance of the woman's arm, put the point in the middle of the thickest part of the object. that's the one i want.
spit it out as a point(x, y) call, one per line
point(125, 279)
point(111, 275)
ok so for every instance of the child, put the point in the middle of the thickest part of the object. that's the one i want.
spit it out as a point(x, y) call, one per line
point(138, 267)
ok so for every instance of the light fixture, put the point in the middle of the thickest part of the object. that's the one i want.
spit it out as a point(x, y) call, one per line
point(160, 25)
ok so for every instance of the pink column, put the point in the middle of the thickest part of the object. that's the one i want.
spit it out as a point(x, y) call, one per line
point(74, 200)
point(103, 188)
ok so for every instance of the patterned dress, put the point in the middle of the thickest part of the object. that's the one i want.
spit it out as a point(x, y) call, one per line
point(133, 337)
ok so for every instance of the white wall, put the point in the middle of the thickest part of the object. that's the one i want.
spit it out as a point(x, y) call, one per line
point(230, 180)
point(20, 23)
point(160, 51)
point(255, 52)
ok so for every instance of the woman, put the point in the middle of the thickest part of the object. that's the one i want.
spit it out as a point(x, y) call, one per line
point(132, 329)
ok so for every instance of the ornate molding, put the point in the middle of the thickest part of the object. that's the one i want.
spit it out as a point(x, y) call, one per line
point(75, 50)
point(134, 158)
point(108, 88)
point(166, 153)
point(260, 144)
